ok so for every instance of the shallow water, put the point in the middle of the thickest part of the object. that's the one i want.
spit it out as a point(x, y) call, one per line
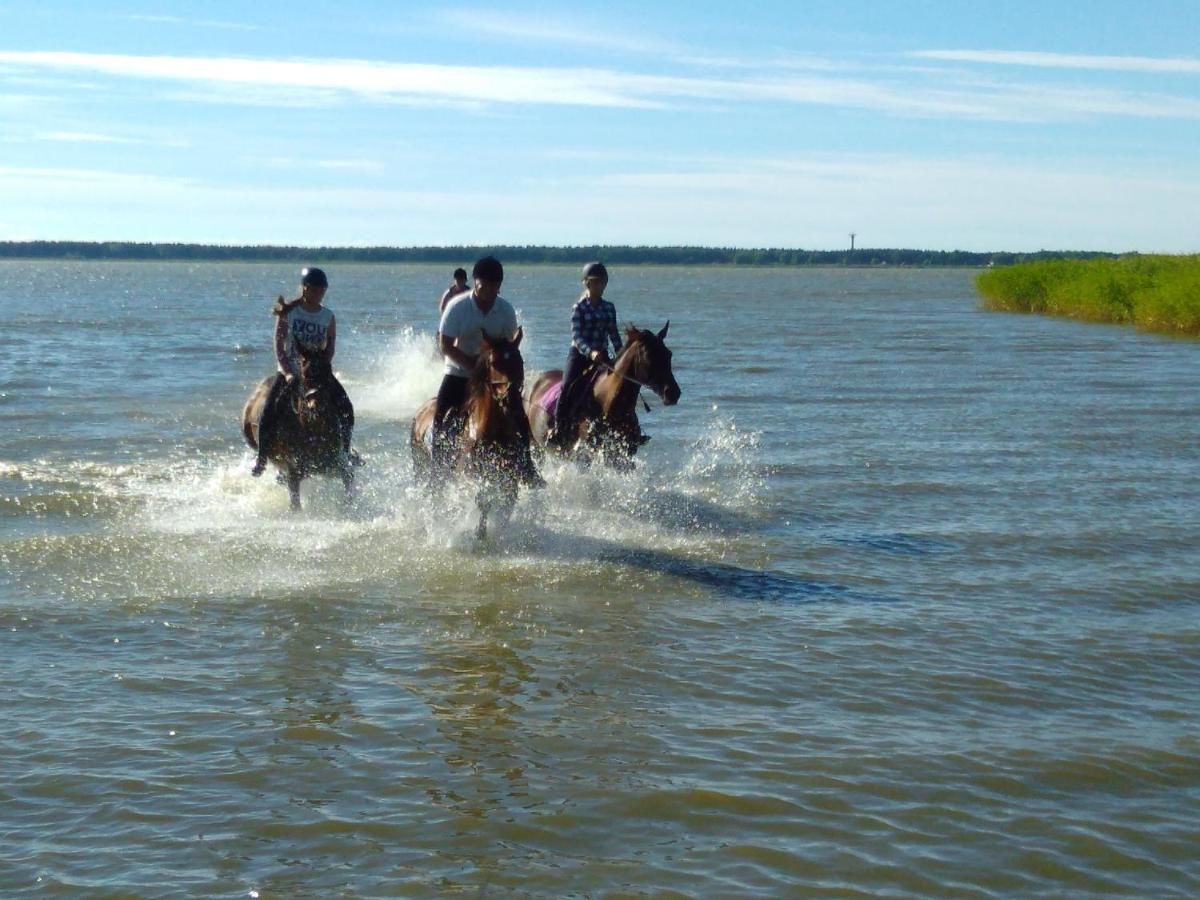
point(901, 601)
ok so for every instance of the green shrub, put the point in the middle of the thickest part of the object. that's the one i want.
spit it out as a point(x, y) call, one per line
point(1156, 293)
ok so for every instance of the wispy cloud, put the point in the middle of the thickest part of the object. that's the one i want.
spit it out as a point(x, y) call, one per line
point(365, 166)
point(287, 81)
point(1146, 64)
point(557, 33)
point(804, 200)
point(82, 137)
point(194, 23)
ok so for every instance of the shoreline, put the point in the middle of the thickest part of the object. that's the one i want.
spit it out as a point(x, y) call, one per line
point(622, 255)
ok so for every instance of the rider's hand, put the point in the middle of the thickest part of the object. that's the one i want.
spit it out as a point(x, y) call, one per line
point(596, 356)
point(289, 377)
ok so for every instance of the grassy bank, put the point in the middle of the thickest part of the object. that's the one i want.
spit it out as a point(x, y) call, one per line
point(1154, 293)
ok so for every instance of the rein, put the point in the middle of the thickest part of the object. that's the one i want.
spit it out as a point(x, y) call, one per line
point(641, 384)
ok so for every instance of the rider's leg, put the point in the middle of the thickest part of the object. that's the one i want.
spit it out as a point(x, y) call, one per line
point(564, 414)
point(450, 398)
point(266, 422)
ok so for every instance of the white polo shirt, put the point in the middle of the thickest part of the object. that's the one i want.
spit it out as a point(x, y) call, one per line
point(466, 323)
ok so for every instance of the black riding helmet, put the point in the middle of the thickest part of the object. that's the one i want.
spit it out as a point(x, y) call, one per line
point(314, 277)
point(595, 270)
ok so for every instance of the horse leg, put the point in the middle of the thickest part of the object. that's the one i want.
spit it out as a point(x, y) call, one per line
point(483, 501)
point(348, 479)
point(293, 484)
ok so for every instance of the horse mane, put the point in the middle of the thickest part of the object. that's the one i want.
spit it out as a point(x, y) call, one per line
point(635, 342)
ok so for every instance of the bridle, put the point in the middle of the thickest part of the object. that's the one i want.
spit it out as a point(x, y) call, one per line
point(641, 384)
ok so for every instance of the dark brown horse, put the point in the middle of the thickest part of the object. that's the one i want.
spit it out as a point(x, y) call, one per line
point(308, 435)
point(488, 445)
point(610, 423)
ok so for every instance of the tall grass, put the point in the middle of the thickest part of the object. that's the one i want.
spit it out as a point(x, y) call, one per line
point(1154, 293)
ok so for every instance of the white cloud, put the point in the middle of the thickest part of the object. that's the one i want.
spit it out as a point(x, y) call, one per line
point(555, 33)
point(365, 166)
point(82, 137)
point(1146, 64)
point(293, 81)
point(194, 23)
point(804, 201)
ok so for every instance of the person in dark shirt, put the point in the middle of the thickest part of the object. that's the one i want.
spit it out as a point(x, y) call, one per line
point(593, 328)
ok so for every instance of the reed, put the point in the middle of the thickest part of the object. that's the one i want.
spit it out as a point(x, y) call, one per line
point(1153, 293)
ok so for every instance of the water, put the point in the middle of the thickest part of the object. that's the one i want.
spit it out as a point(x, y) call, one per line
point(901, 601)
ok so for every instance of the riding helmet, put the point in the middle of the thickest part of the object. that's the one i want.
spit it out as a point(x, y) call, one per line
point(313, 276)
point(595, 270)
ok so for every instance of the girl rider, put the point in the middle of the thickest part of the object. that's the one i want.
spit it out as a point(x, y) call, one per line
point(593, 326)
point(301, 321)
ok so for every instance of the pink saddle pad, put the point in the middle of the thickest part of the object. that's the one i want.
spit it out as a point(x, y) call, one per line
point(549, 400)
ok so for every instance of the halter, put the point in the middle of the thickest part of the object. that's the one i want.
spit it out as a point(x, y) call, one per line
point(500, 390)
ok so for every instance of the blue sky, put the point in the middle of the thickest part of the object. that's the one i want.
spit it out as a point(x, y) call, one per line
point(1000, 125)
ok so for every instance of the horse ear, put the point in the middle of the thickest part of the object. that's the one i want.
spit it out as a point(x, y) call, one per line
point(484, 339)
point(662, 335)
point(516, 341)
point(631, 333)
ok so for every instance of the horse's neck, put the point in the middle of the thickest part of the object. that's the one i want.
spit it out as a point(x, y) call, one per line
point(615, 393)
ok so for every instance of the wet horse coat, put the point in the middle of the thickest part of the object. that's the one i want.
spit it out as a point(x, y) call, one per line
point(309, 436)
point(610, 424)
point(489, 448)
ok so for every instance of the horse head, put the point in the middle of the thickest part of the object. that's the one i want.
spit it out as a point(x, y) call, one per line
point(501, 368)
point(651, 362)
point(316, 374)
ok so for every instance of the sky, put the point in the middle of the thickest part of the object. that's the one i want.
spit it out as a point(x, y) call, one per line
point(1005, 125)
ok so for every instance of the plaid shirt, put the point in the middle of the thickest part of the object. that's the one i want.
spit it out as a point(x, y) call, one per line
point(593, 325)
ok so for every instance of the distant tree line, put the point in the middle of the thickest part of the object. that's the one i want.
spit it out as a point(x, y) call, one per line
point(617, 254)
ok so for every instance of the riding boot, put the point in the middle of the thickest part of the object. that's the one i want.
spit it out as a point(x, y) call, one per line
point(564, 424)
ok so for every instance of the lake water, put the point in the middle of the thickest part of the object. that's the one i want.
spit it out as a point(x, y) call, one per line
point(902, 600)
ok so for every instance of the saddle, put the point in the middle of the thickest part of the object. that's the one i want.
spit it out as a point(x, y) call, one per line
point(556, 394)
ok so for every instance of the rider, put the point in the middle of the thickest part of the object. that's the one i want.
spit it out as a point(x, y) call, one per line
point(301, 321)
point(593, 326)
point(460, 337)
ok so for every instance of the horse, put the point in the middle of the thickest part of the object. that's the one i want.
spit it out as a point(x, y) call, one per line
point(487, 441)
point(308, 433)
point(610, 425)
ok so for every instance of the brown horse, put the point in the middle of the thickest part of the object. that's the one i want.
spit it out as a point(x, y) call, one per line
point(610, 424)
point(488, 445)
point(308, 436)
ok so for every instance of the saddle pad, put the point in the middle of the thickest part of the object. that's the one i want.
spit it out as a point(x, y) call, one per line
point(549, 400)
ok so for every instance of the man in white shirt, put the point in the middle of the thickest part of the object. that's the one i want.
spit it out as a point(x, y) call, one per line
point(460, 338)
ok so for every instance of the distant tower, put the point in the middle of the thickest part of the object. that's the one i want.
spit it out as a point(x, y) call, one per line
point(852, 237)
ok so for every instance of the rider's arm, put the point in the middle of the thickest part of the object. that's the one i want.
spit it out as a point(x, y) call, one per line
point(331, 338)
point(281, 359)
point(450, 351)
point(577, 336)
